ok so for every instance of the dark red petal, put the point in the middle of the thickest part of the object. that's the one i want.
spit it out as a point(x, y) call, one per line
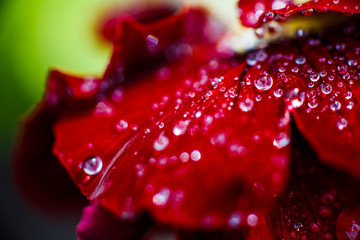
point(316, 196)
point(255, 13)
point(37, 171)
point(96, 223)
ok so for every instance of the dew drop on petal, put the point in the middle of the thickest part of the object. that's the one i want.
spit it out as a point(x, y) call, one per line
point(326, 88)
point(335, 106)
point(252, 220)
point(92, 165)
point(246, 105)
point(263, 81)
point(161, 198)
point(312, 103)
point(278, 92)
point(300, 60)
point(314, 77)
point(121, 125)
point(180, 128)
point(195, 155)
point(184, 157)
point(298, 226)
point(235, 220)
point(281, 141)
point(161, 143)
point(342, 69)
point(341, 124)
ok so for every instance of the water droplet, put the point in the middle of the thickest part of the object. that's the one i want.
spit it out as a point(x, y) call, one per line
point(335, 106)
point(342, 69)
point(278, 92)
point(282, 140)
point(103, 108)
point(180, 128)
point(250, 60)
point(252, 220)
point(312, 103)
point(298, 226)
point(184, 157)
point(121, 125)
point(263, 81)
point(237, 149)
point(195, 155)
point(161, 142)
point(314, 77)
point(336, 1)
point(219, 139)
point(235, 220)
point(341, 124)
point(314, 227)
point(326, 88)
point(307, 12)
point(92, 165)
point(325, 211)
point(161, 198)
point(295, 98)
point(300, 60)
point(246, 105)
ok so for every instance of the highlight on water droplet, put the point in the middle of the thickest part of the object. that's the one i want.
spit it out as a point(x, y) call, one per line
point(235, 220)
point(92, 165)
point(195, 155)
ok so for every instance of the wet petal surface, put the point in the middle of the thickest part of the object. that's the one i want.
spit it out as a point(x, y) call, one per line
point(256, 13)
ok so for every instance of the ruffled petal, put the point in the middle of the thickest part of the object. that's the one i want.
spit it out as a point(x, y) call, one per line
point(256, 13)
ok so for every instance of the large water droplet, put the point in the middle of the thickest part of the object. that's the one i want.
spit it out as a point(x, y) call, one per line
point(92, 165)
point(263, 81)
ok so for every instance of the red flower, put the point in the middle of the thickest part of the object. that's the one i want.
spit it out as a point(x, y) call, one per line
point(218, 145)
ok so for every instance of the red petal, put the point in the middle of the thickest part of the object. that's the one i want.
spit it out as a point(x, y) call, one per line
point(97, 223)
point(316, 196)
point(196, 146)
point(255, 13)
point(331, 121)
point(173, 144)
